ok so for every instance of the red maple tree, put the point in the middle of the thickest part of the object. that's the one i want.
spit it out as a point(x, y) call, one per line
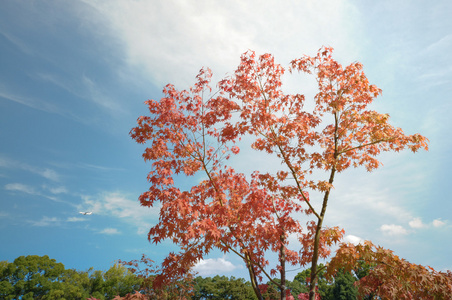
point(197, 133)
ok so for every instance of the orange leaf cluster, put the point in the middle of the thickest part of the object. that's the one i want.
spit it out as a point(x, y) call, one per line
point(391, 277)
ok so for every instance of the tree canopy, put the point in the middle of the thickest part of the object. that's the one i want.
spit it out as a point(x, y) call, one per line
point(40, 277)
point(196, 133)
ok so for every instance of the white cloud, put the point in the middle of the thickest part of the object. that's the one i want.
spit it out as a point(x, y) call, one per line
point(23, 188)
point(48, 173)
point(438, 223)
point(393, 229)
point(172, 40)
point(110, 231)
point(355, 240)
point(214, 266)
point(416, 223)
point(57, 190)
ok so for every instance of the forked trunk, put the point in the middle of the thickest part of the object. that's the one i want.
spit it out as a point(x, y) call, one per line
point(253, 278)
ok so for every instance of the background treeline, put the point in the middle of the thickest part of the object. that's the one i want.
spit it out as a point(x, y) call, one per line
point(39, 277)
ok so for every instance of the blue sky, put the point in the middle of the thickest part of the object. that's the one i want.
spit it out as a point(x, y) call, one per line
point(74, 76)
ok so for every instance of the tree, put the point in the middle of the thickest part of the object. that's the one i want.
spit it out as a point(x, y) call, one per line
point(323, 284)
point(75, 285)
point(222, 287)
point(196, 132)
point(39, 277)
point(391, 277)
point(118, 280)
point(343, 287)
point(6, 288)
point(31, 276)
point(96, 287)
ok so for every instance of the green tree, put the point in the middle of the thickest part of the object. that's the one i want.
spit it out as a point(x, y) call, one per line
point(96, 284)
point(296, 288)
point(31, 277)
point(323, 285)
point(118, 280)
point(222, 287)
point(75, 285)
point(343, 287)
point(6, 288)
point(39, 277)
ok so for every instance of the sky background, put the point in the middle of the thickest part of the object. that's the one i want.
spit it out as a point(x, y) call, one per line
point(74, 76)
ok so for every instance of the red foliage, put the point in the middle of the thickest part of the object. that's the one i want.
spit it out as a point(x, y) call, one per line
point(196, 132)
point(305, 296)
point(178, 287)
point(392, 277)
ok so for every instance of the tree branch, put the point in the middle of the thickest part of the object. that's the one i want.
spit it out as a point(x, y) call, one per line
point(365, 145)
point(251, 262)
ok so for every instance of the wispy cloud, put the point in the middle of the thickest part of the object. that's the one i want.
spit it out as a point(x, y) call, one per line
point(76, 219)
point(57, 190)
point(438, 223)
point(86, 89)
point(85, 166)
point(19, 187)
point(20, 44)
point(110, 231)
point(100, 96)
point(123, 207)
point(214, 266)
point(30, 102)
point(46, 221)
point(4, 214)
point(47, 173)
point(392, 229)
point(30, 190)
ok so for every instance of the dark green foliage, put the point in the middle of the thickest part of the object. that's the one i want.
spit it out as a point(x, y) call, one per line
point(222, 287)
point(343, 287)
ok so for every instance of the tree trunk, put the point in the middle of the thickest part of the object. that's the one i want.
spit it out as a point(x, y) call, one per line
point(253, 278)
point(283, 268)
point(315, 255)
